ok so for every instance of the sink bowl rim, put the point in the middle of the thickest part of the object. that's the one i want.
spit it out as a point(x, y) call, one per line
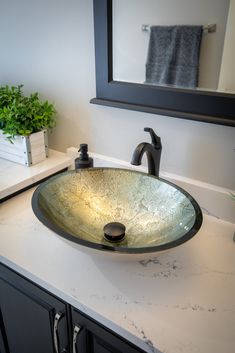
point(112, 248)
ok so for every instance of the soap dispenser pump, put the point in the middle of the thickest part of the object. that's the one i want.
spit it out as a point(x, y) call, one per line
point(83, 161)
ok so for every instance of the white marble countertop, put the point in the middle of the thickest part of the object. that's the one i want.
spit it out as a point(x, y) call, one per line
point(15, 177)
point(182, 301)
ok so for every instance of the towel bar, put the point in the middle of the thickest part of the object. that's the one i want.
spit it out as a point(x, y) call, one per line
point(210, 28)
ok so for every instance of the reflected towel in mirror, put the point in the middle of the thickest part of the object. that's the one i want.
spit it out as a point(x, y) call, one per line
point(173, 55)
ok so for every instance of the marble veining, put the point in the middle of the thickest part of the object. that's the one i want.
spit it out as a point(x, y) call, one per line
point(167, 269)
point(141, 332)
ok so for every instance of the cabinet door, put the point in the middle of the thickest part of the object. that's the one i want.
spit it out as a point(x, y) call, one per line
point(3, 343)
point(31, 320)
point(91, 337)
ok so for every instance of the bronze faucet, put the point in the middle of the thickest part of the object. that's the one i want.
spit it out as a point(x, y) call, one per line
point(153, 152)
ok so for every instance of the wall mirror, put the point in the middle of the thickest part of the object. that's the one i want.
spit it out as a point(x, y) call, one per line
point(121, 45)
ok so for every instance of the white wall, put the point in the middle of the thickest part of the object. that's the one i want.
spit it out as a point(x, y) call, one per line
point(227, 77)
point(131, 44)
point(49, 46)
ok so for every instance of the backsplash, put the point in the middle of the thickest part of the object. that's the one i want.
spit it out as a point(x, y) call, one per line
point(213, 200)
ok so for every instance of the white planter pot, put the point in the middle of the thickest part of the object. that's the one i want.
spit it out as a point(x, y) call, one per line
point(26, 150)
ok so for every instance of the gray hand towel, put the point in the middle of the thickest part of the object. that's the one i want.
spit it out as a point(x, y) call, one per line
point(173, 55)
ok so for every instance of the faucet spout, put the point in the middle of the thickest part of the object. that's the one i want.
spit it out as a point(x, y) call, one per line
point(138, 153)
point(153, 153)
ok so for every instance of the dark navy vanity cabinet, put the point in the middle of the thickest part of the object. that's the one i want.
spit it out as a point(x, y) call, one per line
point(28, 317)
point(35, 321)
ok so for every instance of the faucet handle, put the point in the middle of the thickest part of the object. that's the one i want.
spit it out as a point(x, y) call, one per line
point(156, 140)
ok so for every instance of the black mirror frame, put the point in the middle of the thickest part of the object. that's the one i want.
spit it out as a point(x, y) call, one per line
point(204, 106)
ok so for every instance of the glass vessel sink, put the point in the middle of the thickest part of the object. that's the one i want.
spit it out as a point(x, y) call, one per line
point(157, 215)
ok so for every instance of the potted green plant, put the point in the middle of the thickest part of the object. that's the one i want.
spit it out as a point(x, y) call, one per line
point(24, 121)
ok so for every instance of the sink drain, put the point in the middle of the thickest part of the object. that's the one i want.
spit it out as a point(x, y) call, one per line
point(114, 231)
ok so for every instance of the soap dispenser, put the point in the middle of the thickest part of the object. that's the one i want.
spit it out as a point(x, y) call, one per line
point(83, 161)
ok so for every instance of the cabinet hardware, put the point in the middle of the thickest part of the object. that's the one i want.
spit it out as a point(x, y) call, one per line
point(76, 331)
point(57, 318)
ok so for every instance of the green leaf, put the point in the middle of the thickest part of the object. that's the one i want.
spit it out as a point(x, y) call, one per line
point(20, 114)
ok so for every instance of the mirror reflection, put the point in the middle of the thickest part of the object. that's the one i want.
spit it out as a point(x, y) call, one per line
point(180, 43)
